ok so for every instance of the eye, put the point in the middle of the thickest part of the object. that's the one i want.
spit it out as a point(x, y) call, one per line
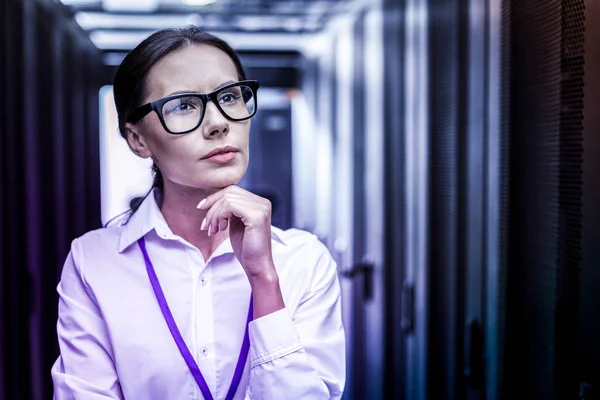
point(182, 105)
point(230, 96)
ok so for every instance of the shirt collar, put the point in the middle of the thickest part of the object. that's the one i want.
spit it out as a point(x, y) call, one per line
point(148, 217)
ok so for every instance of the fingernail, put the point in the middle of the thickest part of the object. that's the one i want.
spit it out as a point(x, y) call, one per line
point(201, 203)
point(202, 225)
point(208, 230)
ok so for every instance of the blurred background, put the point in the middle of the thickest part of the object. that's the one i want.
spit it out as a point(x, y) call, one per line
point(446, 151)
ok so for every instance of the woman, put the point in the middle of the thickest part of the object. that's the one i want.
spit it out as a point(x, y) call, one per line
point(196, 296)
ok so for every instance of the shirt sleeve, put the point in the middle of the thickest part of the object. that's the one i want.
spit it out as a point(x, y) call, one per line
point(85, 369)
point(302, 356)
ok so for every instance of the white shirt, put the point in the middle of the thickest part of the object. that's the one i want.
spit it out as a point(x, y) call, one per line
point(115, 343)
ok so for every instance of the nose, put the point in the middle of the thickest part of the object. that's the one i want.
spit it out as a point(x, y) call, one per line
point(214, 124)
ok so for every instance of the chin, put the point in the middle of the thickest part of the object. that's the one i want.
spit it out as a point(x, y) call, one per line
point(213, 179)
point(220, 181)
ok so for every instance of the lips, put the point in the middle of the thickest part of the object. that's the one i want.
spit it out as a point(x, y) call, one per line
point(220, 151)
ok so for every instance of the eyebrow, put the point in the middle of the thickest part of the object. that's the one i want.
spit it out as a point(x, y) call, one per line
point(191, 91)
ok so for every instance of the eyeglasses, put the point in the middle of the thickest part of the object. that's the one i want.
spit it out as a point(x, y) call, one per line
point(183, 113)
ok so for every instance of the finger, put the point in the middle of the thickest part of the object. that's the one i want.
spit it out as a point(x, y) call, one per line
point(216, 215)
point(248, 208)
point(219, 216)
point(254, 213)
point(223, 222)
point(207, 221)
point(240, 209)
point(210, 201)
point(210, 220)
point(232, 190)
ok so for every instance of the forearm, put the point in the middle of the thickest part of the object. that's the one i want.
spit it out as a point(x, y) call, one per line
point(283, 364)
point(266, 293)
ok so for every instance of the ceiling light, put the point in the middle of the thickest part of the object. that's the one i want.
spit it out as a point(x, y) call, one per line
point(118, 40)
point(97, 20)
point(126, 40)
point(258, 22)
point(293, 24)
point(130, 5)
point(198, 2)
point(79, 2)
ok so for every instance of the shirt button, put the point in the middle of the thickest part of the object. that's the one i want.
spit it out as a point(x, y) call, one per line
point(203, 280)
point(204, 351)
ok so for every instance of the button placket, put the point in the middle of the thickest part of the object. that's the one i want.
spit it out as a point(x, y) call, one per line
point(205, 334)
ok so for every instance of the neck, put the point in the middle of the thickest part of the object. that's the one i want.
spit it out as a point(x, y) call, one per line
point(179, 210)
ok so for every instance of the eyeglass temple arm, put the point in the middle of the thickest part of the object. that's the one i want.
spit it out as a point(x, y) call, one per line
point(139, 113)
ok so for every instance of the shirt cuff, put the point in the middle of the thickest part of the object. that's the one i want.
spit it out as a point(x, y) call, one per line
point(271, 337)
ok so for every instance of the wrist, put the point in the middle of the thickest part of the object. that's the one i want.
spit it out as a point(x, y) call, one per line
point(266, 278)
point(266, 292)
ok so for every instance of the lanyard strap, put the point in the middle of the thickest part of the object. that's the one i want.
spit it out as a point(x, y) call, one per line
point(185, 352)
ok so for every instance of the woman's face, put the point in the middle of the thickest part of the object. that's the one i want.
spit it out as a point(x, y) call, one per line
point(181, 158)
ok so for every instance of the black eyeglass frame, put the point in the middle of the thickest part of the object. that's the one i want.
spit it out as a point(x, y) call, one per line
point(157, 105)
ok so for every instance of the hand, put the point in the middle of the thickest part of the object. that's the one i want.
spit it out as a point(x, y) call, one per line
point(248, 217)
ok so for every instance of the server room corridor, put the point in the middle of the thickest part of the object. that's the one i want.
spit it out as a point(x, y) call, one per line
point(446, 153)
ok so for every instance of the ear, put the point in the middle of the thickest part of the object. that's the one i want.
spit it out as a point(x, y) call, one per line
point(136, 141)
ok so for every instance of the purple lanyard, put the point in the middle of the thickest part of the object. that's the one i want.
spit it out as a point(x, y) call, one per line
point(185, 352)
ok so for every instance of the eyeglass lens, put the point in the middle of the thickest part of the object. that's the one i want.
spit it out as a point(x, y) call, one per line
point(184, 113)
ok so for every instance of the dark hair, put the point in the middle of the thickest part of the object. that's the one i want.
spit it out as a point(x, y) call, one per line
point(130, 83)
